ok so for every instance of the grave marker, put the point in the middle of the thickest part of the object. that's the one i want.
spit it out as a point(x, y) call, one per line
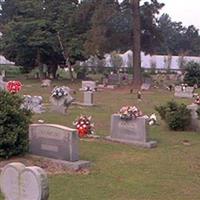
point(22, 183)
point(134, 131)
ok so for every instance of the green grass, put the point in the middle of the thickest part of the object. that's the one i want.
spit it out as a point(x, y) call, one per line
point(121, 172)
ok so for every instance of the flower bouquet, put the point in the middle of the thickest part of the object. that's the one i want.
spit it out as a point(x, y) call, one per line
point(129, 112)
point(59, 92)
point(14, 86)
point(84, 126)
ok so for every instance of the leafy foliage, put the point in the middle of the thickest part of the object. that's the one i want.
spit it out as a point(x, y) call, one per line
point(14, 123)
point(176, 116)
point(192, 73)
point(177, 39)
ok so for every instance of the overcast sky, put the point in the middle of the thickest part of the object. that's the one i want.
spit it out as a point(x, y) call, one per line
point(186, 11)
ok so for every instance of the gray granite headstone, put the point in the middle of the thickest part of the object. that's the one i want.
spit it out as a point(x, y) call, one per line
point(113, 79)
point(133, 131)
point(24, 183)
point(2, 83)
point(33, 103)
point(195, 122)
point(61, 104)
point(54, 141)
point(88, 98)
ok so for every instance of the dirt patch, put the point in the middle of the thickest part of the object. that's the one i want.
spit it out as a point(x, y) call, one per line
point(50, 167)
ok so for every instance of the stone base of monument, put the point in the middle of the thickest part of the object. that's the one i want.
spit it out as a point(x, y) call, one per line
point(134, 131)
point(150, 144)
point(72, 166)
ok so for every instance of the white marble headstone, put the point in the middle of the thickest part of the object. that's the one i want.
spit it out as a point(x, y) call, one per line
point(24, 183)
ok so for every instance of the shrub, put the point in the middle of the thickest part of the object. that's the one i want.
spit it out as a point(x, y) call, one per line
point(176, 116)
point(192, 75)
point(14, 124)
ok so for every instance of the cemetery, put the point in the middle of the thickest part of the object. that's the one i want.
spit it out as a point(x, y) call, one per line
point(99, 100)
point(150, 154)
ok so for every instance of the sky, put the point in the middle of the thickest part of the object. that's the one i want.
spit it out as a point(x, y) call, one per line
point(186, 11)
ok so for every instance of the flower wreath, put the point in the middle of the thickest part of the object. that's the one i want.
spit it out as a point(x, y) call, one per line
point(14, 86)
point(129, 112)
point(84, 126)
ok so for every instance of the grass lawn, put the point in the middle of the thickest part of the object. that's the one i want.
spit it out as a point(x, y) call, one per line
point(121, 172)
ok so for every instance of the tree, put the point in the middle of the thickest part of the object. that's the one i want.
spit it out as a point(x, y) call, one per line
point(112, 27)
point(41, 32)
point(177, 39)
point(137, 73)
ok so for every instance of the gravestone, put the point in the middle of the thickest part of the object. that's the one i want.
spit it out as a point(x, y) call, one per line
point(33, 103)
point(145, 86)
point(88, 84)
point(46, 83)
point(56, 142)
point(61, 103)
point(195, 122)
point(24, 183)
point(186, 92)
point(113, 79)
point(2, 83)
point(134, 131)
point(88, 98)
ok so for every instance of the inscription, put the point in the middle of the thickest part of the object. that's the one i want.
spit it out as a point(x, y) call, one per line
point(50, 134)
point(49, 147)
point(127, 125)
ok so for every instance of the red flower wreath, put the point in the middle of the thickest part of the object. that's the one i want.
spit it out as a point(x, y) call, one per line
point(84, 126)
point(14, 86)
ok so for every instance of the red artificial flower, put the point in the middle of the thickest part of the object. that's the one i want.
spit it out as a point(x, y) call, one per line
point(83, 126)
point(13, 86)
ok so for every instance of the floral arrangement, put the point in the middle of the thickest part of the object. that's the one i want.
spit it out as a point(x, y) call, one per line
point(129, 112)
point(14, 86)
point(84, 126)
point(59, 92)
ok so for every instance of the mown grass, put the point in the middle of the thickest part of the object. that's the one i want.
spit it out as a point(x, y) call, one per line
point(122, 172)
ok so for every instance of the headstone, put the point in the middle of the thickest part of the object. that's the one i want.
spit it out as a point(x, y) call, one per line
point(88, 84)
point(54, 141)
point(24, 183)
point(46, 83)
point(186, 92)
point(88, 98)
point(134, 131)
point(145, 86)
point(195, 122)
point(2, 83)
point(113, 79)
point(58, 143)
point(61, 103)
point(33, 103)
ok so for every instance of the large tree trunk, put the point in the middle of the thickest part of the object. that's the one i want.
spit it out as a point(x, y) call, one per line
point(66, 57)
point(40, 65)
point(137, 73)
